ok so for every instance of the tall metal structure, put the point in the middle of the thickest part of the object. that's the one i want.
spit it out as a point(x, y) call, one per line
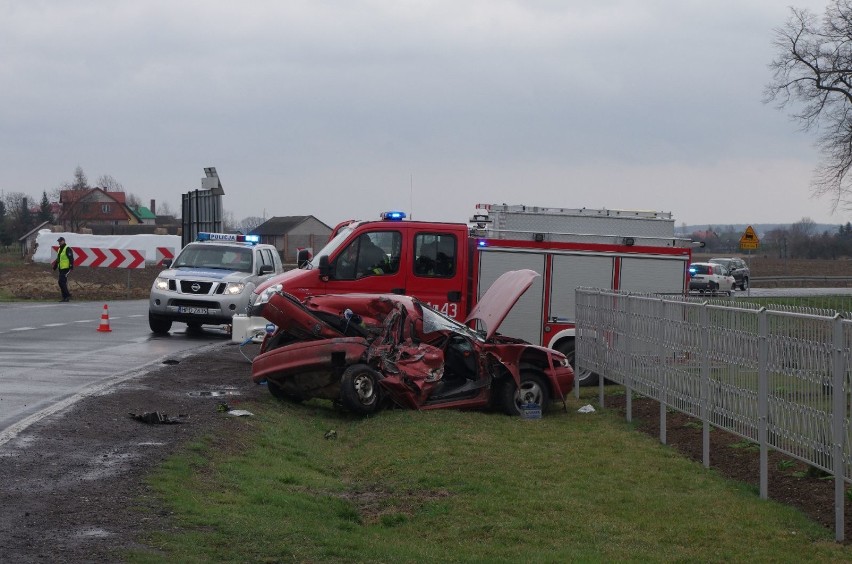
point(202, 209)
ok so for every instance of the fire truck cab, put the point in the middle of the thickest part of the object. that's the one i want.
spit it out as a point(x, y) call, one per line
point(450, 265)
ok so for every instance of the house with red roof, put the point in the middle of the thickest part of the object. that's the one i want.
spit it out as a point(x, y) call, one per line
point(95, 206)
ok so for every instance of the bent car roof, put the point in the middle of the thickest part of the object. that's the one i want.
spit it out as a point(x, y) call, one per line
point(500, 298)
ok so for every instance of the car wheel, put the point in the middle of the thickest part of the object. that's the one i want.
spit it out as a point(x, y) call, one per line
point(744, 285)
point(279, 393)
point(159, 326)
point(533, 390)
point(359, 389)
point(585, 378)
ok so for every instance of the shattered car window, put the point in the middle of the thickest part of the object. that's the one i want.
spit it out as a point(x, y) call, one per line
point(434, 321)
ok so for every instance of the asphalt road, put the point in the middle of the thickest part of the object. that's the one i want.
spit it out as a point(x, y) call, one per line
point(51, 354)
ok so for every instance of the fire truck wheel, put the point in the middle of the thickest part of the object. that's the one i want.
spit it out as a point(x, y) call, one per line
point(159, 326)
point(359, 389)
point(584, 378)
point(279, 393)
point(533, 390)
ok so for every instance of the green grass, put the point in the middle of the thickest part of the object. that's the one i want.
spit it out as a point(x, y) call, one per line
point(837, 303)
point(451, 486)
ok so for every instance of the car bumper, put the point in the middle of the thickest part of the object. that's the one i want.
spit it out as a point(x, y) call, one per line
point(204, 310)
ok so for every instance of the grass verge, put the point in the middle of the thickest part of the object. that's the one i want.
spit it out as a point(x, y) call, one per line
point(459, 486)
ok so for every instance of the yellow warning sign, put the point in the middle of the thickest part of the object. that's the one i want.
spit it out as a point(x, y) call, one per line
point(749, 240)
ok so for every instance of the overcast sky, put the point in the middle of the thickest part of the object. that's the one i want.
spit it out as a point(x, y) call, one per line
point(340, 109)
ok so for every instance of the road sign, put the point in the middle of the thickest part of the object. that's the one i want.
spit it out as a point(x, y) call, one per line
point(749, 240)
point(109, 258)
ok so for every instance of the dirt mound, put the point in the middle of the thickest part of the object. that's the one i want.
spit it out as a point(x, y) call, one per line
point(37, 281)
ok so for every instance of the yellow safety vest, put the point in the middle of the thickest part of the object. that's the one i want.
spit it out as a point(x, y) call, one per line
point(62, 259)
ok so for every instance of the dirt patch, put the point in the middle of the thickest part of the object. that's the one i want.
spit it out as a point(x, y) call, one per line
point(20, 280)
point(74, 484)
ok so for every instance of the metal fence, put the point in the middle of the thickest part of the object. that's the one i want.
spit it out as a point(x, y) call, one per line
point(777, 376)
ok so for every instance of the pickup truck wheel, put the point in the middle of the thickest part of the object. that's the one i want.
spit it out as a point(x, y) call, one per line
point(744, 284)
point(279, 393)
point(159, 326)
point(533, 390)
point(359, 389)
point(584, 378)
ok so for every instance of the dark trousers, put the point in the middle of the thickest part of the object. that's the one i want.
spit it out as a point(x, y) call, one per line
point(63, 283)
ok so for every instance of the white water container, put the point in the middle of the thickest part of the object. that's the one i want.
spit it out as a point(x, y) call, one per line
point(243, 327)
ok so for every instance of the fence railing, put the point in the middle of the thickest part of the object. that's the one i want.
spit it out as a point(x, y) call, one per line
point(794, 281)
point(779, 377)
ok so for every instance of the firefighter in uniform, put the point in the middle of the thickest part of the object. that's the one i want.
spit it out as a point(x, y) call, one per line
point(64, 263)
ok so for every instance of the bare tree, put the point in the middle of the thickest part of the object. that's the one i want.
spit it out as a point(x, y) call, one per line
point(163, 208)
point(109, 184)
point(81, 182)
point(813, 68)
point(249, 223)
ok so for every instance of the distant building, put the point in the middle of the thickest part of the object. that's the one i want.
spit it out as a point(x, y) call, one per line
point(145, 216)
point(28, 239)
point(95, 206)
point(290, 233)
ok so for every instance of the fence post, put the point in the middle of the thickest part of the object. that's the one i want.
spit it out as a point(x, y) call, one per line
point(838, 417)
point(662, 371)
point(628, 357)
point(704, 391)
point(763, 398)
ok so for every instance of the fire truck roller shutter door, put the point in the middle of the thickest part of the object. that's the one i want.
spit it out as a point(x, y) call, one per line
point(524, 321)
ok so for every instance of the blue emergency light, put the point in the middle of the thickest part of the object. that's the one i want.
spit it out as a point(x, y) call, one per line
point(393, 216)
point(482, 243)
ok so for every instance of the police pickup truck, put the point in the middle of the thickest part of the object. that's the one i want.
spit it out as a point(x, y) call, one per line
point(210, 281)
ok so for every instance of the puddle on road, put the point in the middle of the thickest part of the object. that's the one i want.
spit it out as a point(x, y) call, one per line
point(214, 393)
point(95, 532)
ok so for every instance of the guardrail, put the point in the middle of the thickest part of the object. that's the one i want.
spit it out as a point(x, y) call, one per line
point(778, 281)
point(779, 377)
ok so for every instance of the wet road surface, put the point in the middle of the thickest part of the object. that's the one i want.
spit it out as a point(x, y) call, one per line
point(52, 353)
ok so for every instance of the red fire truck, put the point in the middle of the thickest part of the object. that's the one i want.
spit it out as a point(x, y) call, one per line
point(449, 265)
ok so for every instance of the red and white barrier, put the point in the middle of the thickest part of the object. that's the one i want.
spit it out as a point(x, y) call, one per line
point(164, 253)
point(108, 258)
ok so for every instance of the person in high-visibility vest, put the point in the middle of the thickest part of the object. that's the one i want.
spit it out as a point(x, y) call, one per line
point(64, 263)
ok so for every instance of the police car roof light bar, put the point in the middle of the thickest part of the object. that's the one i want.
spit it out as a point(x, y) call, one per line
point(228, 237)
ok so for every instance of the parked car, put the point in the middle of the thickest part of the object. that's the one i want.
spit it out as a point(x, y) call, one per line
point(210, 280)
point(367, 350)
point(710, 277)
point(737, 268)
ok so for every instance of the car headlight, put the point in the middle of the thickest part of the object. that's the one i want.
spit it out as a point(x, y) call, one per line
point(232, 288)
point(161, 284)
point(268, 293)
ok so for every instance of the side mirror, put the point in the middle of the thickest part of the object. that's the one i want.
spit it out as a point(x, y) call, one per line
point(166, 263)
point(303, 257)
point(324, 266)
point(265, 269)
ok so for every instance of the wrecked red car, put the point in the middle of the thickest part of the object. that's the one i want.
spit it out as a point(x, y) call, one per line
point(367, 350)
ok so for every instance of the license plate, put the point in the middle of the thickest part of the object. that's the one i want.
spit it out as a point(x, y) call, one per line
point(193, 310)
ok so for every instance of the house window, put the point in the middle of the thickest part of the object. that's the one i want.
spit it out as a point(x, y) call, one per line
point(105, 208)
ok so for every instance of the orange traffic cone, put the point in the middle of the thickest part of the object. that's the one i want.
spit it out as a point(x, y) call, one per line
point(104, 326)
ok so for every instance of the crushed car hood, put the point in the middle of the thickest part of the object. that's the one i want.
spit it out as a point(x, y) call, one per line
point(500, 298)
